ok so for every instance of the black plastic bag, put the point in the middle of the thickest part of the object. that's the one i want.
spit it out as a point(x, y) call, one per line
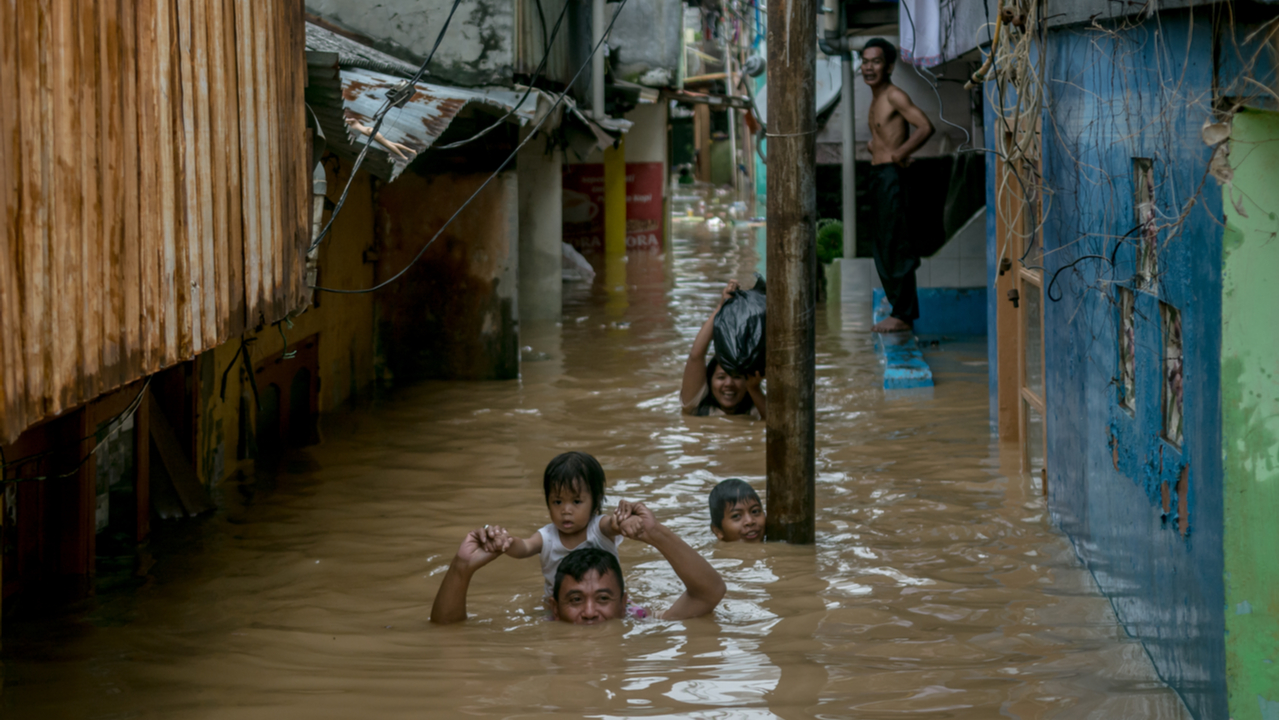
point(739, 331)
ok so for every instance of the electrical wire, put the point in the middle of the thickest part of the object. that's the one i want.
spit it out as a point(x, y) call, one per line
point(381, 115)
point(559, 99)
point(542, 20)
point(117, 422)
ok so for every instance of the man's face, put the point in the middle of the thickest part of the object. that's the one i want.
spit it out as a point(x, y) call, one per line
point(874, 68)
point(591, 600)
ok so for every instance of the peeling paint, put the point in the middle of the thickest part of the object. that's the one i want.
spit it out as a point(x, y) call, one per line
point(1249, 417)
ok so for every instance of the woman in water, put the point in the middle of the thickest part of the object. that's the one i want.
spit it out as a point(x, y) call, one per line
point(710, 390)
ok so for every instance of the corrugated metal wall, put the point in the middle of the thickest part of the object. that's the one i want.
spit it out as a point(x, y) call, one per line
point(153, 184)
point(530, 43)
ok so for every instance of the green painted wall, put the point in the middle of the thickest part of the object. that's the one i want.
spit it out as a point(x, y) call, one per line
point(1249, 410)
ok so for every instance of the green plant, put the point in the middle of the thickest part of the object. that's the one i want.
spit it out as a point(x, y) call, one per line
point(830, 240)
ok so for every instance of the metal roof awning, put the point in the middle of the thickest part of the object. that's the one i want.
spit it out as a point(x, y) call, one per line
point(345, 96)
point(345, 107)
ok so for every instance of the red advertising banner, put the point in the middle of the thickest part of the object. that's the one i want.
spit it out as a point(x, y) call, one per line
point(583, 207)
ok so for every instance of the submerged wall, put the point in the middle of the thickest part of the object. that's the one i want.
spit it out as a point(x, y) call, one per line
point(339, 366)
point(453, 315)
point(1136, 485)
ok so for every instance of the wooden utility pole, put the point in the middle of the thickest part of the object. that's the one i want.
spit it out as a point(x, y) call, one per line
point(792, 267)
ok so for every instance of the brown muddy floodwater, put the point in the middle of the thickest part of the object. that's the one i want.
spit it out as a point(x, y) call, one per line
point(938, 587)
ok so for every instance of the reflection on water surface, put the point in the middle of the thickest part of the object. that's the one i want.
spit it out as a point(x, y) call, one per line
point(937, 588)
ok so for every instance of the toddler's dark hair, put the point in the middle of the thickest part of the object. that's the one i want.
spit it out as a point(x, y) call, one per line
point(567, 470)
point(582, 561)
point(727, 494)
point(890, 52)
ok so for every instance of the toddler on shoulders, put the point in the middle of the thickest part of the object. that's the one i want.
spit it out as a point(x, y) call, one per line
point(573, 485)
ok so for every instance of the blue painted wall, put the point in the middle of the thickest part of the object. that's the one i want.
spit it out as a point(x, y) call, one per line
point(943, 311)
point(1137, 91)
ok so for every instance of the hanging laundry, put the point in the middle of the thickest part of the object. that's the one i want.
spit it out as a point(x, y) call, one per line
point(920, 29)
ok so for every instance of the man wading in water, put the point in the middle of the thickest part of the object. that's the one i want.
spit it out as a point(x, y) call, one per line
point(588, 587)
point(891, 147)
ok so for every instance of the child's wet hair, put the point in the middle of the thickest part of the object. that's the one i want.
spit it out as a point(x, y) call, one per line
point(582, 561)
point(727, 494)
point(575, 471)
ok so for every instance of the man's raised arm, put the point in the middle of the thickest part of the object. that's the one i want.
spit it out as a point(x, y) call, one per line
point(703, 586)
point(450, 605)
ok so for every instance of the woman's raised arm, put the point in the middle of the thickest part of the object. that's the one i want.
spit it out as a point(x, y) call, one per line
point(695, 368)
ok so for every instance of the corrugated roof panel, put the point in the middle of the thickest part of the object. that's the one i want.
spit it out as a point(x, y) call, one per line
point(416, 126)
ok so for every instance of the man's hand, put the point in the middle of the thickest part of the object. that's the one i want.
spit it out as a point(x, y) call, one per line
point(450, 605)
point(494, 539)
point(472, 554)
point(703, 586)
point(900, 159)
point(728, 291)
point(640, 525)
point(624, 510)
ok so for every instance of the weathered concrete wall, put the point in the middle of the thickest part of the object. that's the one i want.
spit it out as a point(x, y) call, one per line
point(647, 143)
point(454, 314)
point(344, 325)
point(1249, 424)
point(478, 49)
point(1144, 512)
point(647, 139)
point(647, 37)
point(540, 231)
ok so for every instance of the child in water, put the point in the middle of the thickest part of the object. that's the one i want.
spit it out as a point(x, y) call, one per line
point(573, 484)
point(736, 512)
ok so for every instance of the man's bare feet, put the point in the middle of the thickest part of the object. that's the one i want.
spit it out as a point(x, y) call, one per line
point(891, 325)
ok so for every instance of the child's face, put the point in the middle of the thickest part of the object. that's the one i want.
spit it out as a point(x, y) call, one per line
point(570, 508)
point(744, 522)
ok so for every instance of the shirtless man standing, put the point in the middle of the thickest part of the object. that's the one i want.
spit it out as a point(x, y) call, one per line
point(891, 147)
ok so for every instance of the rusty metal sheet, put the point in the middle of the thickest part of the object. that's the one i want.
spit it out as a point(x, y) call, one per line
point(125, 225)
point(346, 100)
point(422, 120)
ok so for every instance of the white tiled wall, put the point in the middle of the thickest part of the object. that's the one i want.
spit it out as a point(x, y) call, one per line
point(962, 262)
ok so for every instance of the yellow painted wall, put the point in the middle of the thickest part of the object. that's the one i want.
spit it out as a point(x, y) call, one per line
point(345, 324)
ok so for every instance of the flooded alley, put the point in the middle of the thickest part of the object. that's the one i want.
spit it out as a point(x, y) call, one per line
point(938, 587)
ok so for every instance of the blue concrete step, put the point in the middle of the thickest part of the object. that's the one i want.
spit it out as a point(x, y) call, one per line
point(904, 365)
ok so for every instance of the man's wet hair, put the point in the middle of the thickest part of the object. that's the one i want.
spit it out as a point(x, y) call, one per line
point(727, 494)
point(582, 561)
point(573, 471)
point(890, 52)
